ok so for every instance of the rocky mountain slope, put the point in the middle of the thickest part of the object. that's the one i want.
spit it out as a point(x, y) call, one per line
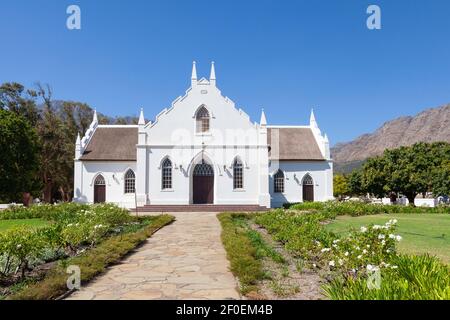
point(428, 126)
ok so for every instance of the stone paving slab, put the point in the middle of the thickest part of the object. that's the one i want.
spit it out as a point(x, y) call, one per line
point(185, 260)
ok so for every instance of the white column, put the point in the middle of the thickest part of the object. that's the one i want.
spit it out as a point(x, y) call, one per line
point(263, 164)
point(141, 163)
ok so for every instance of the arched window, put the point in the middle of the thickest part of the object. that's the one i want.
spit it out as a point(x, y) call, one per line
point(99, 180)
point(278, 182)
point(167, 174)
point(308, 180)
point(130, 180)
point(238, 174)
point(202, 119)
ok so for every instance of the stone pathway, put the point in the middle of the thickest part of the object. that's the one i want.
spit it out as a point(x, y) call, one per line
point(185, 260)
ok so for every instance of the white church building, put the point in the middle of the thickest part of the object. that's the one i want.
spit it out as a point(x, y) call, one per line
point(202, 150)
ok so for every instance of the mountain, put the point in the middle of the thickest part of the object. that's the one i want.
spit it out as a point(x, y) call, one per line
point(430, 125)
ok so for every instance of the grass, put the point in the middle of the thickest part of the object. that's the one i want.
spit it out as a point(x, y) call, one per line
point(34, 223)
point(92, 262)
point(422, 233)
point(241, 252)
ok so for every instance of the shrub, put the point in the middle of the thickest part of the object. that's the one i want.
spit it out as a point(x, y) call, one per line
point(415, 278)
point(17, 247)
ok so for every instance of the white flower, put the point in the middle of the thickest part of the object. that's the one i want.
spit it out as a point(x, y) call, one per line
point(383, 243)
point(398, 238)
point(369, 267)
point(381, 236)
point(346, 253)
point(394, 221)
point(314, 265)
point(376, 227)
point(341, 262)
point(325, 250)
point(334, 245)
point(364, 251)
point(331, 263)
point(360, 256)
point(392, 236)
point(336, 241)
point(363, 229)
point(19, 246)
point(368, 246)
point(388, 250)
point(394, 267)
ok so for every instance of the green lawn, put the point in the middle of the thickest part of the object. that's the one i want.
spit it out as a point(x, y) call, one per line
point(8, 224)
point(422, 233)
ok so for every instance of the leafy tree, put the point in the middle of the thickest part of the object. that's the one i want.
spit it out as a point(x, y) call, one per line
point(441, 180)
point(373, 177)
point(15, 98)
point(355, 183)
point(340, 186)
point(19, 155)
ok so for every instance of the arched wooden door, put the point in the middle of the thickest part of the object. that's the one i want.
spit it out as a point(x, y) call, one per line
point(99, 189)
point(203, 184)
point(308, 189)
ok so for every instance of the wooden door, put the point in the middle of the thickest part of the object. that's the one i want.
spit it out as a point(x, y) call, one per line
point(308, 193)
point(203, 189)
point(99, 193)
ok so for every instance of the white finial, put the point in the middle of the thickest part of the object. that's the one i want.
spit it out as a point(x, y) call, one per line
point(141, 118)
point(194, 71)
point(95, 119)
point(78, 140)
point(263, 121)
point(312, 119)
point(213, 72)
point(326, 138)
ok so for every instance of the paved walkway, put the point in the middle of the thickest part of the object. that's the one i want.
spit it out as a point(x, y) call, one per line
point(184, 260)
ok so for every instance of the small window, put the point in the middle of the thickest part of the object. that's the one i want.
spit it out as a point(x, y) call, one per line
point(167, 174)
point(202, 119)
point(99, 181)
point(130, 181)
point(278, 181)
point(308, 180)
point(238, 175)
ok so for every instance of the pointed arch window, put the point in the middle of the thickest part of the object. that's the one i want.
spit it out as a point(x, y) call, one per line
point(308, 180)
point(238, 174)
point(202, 120)
point(99, 180)
point(166, 178)
point(130, 181)
point(278, 182)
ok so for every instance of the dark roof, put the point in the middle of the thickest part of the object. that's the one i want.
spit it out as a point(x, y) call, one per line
point(293, 144)
point(112, 144)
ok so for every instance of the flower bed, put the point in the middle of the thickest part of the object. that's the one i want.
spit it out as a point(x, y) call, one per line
point(73, 229)
point(350, 261)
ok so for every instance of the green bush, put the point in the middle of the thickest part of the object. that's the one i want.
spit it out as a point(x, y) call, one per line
point(415, 278)
point(17, 247)
point(355, 208)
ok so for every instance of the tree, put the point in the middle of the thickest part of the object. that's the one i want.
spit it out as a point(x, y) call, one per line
point(340, 186)
point(19, 155)
point(441, 180)
point(355, 184)
point(15, 98)
point(373, 177)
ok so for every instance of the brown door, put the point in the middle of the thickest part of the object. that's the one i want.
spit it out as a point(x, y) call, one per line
point(308, 193)
point(99, 193)
point(203, 184)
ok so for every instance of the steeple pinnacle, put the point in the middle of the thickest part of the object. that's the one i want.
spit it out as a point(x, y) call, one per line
point(263, 121)
point(141, 121)
point(194, 73)
point(212, 77)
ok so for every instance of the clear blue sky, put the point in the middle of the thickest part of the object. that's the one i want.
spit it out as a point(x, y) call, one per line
point(283, 56)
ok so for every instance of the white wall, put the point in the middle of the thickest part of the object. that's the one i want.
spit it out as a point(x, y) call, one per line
point(113, 172)
point(294, 171)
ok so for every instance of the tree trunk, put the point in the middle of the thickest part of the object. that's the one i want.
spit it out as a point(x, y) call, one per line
point(411, 198)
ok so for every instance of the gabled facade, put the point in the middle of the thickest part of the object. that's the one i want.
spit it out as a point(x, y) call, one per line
point(202, 150)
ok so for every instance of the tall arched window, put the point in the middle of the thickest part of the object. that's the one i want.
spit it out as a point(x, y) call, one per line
point(238, 174)
point(202, 119)
point(130, 181)
point(167, 174)
point(278, 182)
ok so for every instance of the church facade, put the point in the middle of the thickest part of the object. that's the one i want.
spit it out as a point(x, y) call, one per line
point(202, 150)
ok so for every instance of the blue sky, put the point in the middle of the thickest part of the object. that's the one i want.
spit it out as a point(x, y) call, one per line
point(283, 56)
